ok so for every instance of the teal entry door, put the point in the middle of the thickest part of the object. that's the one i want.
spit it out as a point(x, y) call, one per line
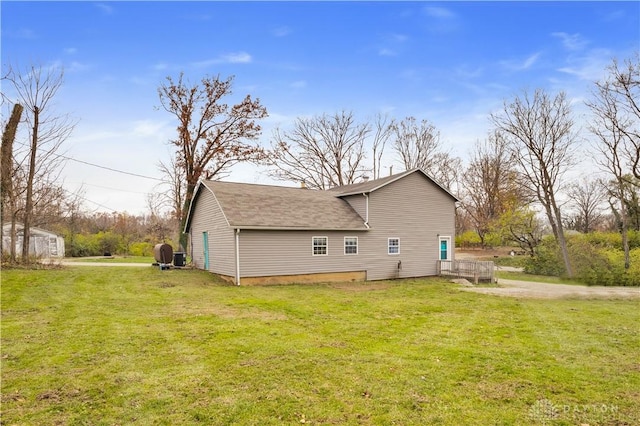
point(205, 245)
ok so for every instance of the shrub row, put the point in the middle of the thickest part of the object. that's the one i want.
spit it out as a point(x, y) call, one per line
point(595, 259)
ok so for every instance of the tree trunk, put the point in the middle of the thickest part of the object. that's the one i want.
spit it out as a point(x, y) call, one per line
point(191, 187)
point(562, 242)
point(29, 201)
point(6, 185)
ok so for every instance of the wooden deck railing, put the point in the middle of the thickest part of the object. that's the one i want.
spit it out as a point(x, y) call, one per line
point(470, 269)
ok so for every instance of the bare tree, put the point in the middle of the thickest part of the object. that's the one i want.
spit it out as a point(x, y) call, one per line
point(616, 125)
point(586, 198)
point(416, 143)
point(36, 90)
point(322, 151)
point(175, 179)
point(491, 187)
point(539, 130)
point(616, 105)
point(383, 130)
point(6, 189)
point(212, 135)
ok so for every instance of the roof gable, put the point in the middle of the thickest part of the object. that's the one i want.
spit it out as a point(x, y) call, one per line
point(373, 185)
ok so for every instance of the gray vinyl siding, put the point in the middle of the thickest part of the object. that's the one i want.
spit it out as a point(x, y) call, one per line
point(269, 253)
point(414, 210)
point(358, 203)
point(208, 217)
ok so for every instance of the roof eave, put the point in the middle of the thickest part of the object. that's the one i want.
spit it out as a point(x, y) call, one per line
point(293, 228)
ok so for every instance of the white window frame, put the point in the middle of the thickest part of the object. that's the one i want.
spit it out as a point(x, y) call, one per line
point(446, 238)
point(350, 246)
point(313, 246)
point(389, 246)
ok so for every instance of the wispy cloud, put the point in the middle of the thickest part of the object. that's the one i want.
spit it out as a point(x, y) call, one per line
point(281, 31)
point(439, 12)
point(300, 84)
point(391, 43)
point(107, 9)
point(591, 66)
point(237, 58)
point(522, 64)
point(227, 58)
point(571, 41)
point(441, 19)
point(70, 51)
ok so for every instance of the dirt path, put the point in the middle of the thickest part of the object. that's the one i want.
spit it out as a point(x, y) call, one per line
point(527, 289)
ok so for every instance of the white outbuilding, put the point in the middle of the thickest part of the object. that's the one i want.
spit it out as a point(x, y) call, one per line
point(42, 243)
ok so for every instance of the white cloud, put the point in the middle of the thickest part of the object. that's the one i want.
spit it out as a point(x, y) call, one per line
point(237, 58)
point(521, 65)
point(227, 58)
point(300, 84)
point(105, 8)
point(386, 52)
point(591, 66)
point(571, 41)
point(439, 12)
point(70, 50)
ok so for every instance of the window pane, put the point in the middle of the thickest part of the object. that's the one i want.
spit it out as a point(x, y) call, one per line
point(351, 245)
point(320, 245)
point(394, 245)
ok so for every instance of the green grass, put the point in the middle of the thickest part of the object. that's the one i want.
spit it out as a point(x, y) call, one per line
point(521, 276)
point(106, 346)
point(113, 259)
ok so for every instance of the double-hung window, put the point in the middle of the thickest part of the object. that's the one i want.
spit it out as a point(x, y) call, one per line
point(394, 246)
point(350, 245)
point(320, 246)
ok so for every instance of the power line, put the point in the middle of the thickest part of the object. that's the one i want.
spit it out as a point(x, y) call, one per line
point(102, 167)
point(111, 169)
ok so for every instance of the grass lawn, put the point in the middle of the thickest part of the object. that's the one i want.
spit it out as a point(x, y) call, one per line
point(118, 345)
point(113, 259)
point(521, 276)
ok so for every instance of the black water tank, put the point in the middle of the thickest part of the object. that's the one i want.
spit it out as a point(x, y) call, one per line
point(179, 259)
point(163, 253)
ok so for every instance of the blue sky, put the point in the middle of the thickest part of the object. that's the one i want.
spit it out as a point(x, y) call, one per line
point(452, 63)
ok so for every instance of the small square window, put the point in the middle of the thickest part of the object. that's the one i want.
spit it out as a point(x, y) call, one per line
point(320, 246)
point(350, 245)
point(394, 246)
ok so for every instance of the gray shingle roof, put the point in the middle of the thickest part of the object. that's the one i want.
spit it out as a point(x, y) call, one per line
point(276, 207)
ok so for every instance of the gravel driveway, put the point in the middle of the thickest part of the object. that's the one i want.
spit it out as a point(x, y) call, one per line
point(527, 289)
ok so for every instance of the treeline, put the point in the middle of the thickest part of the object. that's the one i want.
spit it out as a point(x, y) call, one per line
point(116, 234)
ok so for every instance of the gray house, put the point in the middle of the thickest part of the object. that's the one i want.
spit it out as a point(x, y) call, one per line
point(395, 227)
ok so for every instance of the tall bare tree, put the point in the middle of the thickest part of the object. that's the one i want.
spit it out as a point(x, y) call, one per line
point(418, 145)
point(322, 151)
point(36, 89)
point(490, 182)
point(383, 128)
point(212, 135)
point(616, 125)
point(175, 179)
point(539, 129)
